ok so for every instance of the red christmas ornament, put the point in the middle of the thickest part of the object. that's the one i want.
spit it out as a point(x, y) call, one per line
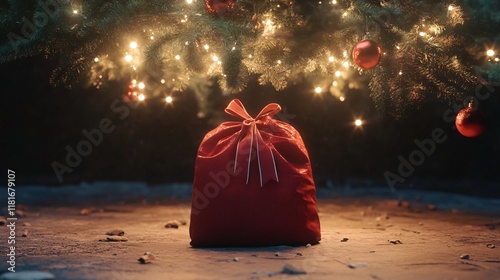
point(366, 54)
point(220, 7)
point(132, 94)
point(470, 121)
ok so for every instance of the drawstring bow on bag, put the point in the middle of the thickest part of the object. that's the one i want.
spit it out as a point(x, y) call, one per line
point(250, 137)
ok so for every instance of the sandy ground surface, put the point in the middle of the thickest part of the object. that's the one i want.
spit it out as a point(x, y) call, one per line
point(429, 244)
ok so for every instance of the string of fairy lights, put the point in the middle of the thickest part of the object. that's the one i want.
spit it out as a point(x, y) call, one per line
point(140, 90)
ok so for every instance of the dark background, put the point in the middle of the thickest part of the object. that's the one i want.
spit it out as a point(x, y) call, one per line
point(158, 143)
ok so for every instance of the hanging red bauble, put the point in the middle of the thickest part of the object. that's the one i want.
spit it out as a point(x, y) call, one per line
point(220, 7)
point(132, 94)
point(470, 121)
point(366, 54)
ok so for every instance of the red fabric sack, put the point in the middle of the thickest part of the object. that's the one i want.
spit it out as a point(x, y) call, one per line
point(253, 184)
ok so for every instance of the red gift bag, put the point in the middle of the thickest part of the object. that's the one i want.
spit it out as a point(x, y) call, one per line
point(253, 184)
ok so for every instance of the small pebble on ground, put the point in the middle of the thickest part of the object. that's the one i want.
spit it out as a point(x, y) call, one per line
point(356, 265)
point(146, 258)
point(175, 223)
point(115, 239)
point(116, 232)
point(291, 270)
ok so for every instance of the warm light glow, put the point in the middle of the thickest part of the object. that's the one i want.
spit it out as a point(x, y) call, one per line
point(422, 33)
point(318, 90)
point(346, 64)
point(141, 85)
point(133, 45)
point(358, 122)
point(496, 59)
point(334, 2)
point(177, 57)
point(331, 58)
point(400, 73)
point(206, 47)
point(141, 97)
point(279, 61)
point(338, 73)
point(342, 99)
point(162, 81)
point(490, 52)
point(215, 58)
point(75, 12)
point(169, 99)
point(189, 1)
point(128, 58)
point(335, 83)
point(152, 37)
point(96, 59)
point(450, 8)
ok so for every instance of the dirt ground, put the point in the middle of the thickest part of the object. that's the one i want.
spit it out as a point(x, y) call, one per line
point(428, 244)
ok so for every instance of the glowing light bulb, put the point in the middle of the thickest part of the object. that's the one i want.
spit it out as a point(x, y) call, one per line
point(177, 57)
point(206, 47)
point(496, 59)
point(400, 73)
point(335, 83)
point(490, 52)
point(75, 12)
point(334, 2)
point(338, 73)
point(152, 37)
point(215, 58)
point(342, 99)
point(96, 59)
point(162, 81)
point(450, 8)
point(189, 1)
point(128, 58)
point(422, 33)
point(279, 62)
point(169, 99)
point(141, 85)
point(141, 97)
point(346, 64)
point(318, 90)
point(331, 58)
point(133, 45)
point(358, 122)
